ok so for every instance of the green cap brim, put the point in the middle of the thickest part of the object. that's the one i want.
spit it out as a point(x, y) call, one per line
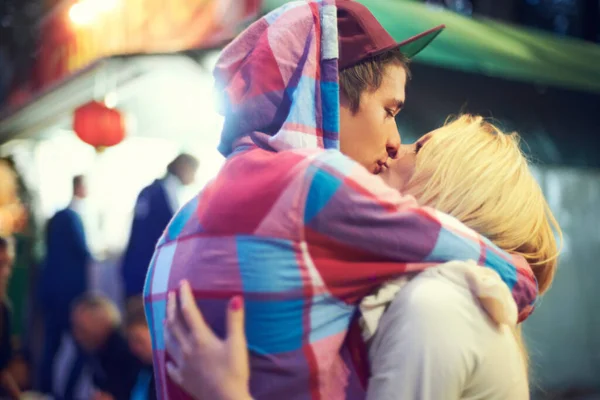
point(411, 47)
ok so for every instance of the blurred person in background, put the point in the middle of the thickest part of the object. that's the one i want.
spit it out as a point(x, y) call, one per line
point(140, 343)
point(29, 248)
point(8, 385)
point(97, 330)
point(64, 276)
point(154, 208)
point(14, 368)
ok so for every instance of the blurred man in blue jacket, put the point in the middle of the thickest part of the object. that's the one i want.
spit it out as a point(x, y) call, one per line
point(65, 274)
point(154, 208)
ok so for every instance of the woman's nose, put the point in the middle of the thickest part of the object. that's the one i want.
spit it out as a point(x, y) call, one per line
point(405, 149)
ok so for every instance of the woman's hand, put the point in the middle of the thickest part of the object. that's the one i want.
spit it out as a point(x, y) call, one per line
point(203, 365)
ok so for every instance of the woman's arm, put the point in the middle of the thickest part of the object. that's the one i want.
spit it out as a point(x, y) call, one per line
point(436, 342)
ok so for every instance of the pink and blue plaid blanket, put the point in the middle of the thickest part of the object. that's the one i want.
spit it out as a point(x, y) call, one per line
point(301, 231)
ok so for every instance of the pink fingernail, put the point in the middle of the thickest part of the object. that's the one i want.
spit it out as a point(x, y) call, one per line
point(236, 303)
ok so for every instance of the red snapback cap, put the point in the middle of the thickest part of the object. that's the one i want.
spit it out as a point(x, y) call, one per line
point(361, 36)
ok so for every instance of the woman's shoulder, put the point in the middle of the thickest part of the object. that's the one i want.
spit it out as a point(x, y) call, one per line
point(437, 317)
point(432, 294)
point(438, 300)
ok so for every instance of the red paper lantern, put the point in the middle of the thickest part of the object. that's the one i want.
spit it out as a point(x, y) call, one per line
point(98, 125)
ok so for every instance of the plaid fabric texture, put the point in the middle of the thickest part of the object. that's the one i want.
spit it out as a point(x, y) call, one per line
point(303, 233)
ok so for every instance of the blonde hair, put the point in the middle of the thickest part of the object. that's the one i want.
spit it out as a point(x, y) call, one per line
point(473, 171)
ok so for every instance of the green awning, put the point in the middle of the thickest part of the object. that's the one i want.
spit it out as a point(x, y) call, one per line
point(488, 47)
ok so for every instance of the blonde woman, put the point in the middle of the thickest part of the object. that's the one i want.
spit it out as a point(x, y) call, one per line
point(434, 341)
point(450, 332)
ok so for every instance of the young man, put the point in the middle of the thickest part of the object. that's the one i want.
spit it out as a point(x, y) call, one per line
point(304, 233)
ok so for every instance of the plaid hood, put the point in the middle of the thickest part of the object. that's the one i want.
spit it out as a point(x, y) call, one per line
point(278, 80)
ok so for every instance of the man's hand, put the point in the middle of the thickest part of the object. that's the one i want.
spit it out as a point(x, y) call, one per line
point(203, 365)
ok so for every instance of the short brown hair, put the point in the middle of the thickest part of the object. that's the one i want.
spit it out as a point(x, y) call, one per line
point(78, 180)
point(180, 161)
point(368, 75)
point(134, 313)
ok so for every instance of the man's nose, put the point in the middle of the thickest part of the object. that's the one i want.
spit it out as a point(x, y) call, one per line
point(393, 145)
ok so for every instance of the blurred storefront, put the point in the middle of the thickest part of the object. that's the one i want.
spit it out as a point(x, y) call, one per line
point(139, 56)
point(149, 59)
